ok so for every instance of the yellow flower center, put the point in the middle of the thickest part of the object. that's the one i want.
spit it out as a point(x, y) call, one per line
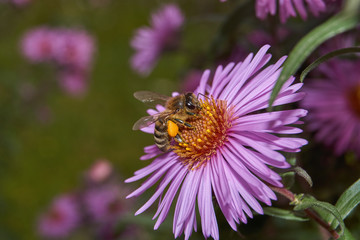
point(354, 100)
point(208, 132)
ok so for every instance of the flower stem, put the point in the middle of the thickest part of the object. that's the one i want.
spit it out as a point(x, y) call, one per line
point(311, 214)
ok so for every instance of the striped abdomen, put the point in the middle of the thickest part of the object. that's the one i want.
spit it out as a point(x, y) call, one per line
point(161, 136)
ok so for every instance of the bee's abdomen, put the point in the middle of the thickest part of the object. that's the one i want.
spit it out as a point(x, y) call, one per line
point(161, 136)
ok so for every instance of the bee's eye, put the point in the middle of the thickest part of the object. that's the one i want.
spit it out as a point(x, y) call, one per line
point(190, 105)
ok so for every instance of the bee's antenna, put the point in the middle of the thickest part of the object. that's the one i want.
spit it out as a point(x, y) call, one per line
point(202, 95)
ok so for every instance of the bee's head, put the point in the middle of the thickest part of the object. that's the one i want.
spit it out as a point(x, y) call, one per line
point(192, 104)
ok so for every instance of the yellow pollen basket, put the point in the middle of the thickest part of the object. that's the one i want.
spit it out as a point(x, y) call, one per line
point(172, 128)
point(208, 132)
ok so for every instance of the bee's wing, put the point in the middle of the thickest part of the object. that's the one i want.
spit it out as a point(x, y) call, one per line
point(151, 98)
point(145, 121)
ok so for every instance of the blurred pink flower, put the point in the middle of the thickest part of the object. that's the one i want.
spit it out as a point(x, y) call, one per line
point(100, 171)
point(289, 8)
point(236, 54)
point(60, 219)
point(37, 44)
point(334, 105)
point(73, 82)
point(73, 48)
point(150, 42)
point(344, 40)
point(225, 157)
point(105, 204)
point(67, 47)
point(259, 38)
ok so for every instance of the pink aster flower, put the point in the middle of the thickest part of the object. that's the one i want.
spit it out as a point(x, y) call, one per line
point(289, 8)
point(150, 42)
point(228, 151)
point(334, 105)
point(60, 219)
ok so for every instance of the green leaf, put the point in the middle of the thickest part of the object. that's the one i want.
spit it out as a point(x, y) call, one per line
point(284, 214)
point(302, 173)
point(347, 235)
point(326, 57)
point(324, 206)
point(343, 21)
point(288, 179)
point(291, 158)
point(349, 199)
point(347, 202)
point(289, 174)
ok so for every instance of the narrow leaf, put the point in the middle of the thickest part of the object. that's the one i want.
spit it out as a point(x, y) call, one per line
point(313, 203)
point(284, 214)
point(326, 57)
point(347, 201)
point(343, 21)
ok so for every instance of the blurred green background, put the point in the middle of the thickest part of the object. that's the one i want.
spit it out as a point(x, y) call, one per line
point(41, 159)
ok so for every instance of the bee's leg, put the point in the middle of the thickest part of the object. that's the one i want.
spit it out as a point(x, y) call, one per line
point(183, 123)
point(188, 125)
point(178, 138)
point(194, 115)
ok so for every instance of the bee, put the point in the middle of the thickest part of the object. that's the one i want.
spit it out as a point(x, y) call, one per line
point(178, 110)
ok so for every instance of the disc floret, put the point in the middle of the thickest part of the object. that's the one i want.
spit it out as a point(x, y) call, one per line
point(208, 133)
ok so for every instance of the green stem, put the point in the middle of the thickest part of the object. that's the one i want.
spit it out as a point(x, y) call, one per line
point(311, 214)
